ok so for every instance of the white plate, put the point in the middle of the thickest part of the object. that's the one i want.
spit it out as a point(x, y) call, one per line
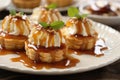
point(87, 62)
point(109, 20)
point(12, 7)
point(4, 4)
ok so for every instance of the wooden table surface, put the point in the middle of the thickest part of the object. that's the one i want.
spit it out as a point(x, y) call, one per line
point(110, 72)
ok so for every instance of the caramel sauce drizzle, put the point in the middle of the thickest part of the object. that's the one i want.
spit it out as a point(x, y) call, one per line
point(67, 63)
point(101, 10)
point(19, 24)
point(79, 27)
point(79, 24)
point(87, 26)
point(8, 36)
point(48, 13)
point(96, 51)
point(51, 17)
point(43, 18)
point(9, 25)
point(16, 20)
point(43, 38)
point(51, 40)
point(35, 36)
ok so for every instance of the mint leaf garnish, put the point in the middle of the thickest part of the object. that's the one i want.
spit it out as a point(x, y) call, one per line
point(74, 12)
point(52, 6)
point(57, 24)
point(12, 12)
point(81, 16)
point(84, 15)
point(21, 13)
point(44, 24)
point(54, 25)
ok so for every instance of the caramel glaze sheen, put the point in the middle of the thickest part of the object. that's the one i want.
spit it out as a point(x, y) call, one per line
point(79, 23)
point(79, 26)
point(98, 48)
point(89, 52)
point(43, 49)
point(18, 20)
point(67, 63)
point(45, 13)
point(49, 32)
point(7, 36)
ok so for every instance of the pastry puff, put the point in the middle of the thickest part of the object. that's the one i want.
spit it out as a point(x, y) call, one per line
point(45, 45)
point(80, 34)
point(14, 32)
point(81, 43)
point(46, 55)
point(14, 43)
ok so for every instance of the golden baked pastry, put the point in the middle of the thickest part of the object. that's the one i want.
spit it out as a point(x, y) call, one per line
point(14, 32)
point(29, 4)
point(79, 34)
point(45, 45)
point(43, 14)
point(60, 3)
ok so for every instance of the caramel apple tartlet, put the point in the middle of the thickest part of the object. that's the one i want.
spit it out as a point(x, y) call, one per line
point(46, 14)
point(79, 32)
point(60, 3)
point(14, 32)
point(26, 4)
point(46, 44)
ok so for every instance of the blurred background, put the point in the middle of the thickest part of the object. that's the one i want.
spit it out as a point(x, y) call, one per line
point(103, 11)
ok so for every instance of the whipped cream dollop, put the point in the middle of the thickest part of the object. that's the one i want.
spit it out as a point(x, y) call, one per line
point(16, 25)
point(81, 27)
point(42, 14)
point(40, 36)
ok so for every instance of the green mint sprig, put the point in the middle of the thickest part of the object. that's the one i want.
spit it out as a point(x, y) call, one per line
point(51, 6)
point(44, 24)
point(74, 12)
point(54, 25)
point(12, 12)
point(57, 24)
point(21, 13)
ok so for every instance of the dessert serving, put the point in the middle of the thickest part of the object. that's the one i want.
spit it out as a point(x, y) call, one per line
point(14, 31)
point(46, 14)
point(27, 4)
point(46, 44)
point(104, 8)
point(79, 32)
point(51, 43)
point(60, 3)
